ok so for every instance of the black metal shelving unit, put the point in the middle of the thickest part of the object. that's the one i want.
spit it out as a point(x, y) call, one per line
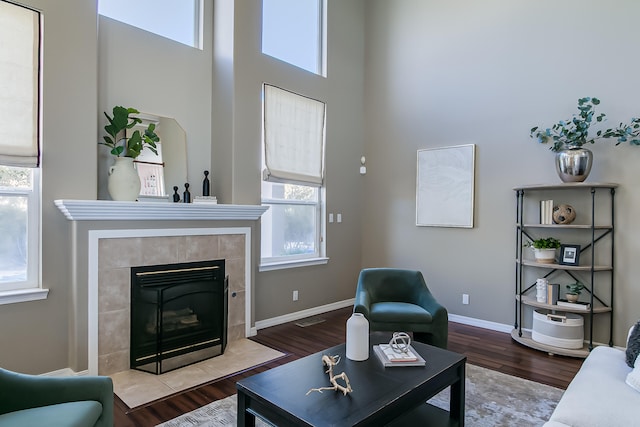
point(599, 227)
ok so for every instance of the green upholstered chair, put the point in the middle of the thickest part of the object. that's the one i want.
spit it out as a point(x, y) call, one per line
point(399, 300)
point(32, 400)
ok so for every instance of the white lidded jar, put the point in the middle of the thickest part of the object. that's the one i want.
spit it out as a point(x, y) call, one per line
point(357, 337)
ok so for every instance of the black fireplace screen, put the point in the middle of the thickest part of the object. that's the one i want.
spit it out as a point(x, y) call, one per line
point(178, 314)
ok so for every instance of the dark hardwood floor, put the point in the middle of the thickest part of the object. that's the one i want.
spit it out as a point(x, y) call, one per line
point(489, 349)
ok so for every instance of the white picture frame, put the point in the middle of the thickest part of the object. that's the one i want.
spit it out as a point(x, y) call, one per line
point(445, 186)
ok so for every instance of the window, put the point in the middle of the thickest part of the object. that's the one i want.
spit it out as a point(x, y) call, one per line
point(20, 77)
point(178, 20)
point(293, 177)
point(292, 31)
point(19, 228)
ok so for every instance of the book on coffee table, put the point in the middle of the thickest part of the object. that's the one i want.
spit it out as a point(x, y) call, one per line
point(390, 358)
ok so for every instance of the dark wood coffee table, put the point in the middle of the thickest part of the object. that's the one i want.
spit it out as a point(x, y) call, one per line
point(381, 396)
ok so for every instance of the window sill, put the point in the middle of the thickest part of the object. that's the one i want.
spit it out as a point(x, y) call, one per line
point(23, 295)
point(281, 265)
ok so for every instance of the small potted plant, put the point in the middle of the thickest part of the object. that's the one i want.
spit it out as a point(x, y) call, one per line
point(573, 291)
point(124, 182)
point(544, 250)
point(573, 161)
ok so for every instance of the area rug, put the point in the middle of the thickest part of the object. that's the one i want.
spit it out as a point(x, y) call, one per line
point(137, 388)
point(492, 399)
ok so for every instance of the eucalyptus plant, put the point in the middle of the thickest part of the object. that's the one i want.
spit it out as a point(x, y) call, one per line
point(117, 139)
point(574, 132)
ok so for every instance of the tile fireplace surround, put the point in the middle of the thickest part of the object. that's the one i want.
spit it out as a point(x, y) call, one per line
point(186, 233)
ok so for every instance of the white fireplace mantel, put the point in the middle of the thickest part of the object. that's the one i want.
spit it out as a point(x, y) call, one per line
point(106, 210)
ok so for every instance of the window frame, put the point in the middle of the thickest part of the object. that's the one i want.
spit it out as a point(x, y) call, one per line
point(31, 288)
point(320, 42)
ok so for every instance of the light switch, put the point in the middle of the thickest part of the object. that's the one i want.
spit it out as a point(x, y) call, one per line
point(339, 217)
point(330, 217)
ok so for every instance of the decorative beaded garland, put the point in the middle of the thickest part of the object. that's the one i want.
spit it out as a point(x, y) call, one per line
point(400, 342)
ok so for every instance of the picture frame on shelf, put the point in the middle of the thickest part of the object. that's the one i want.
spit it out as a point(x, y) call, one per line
point(569, 255)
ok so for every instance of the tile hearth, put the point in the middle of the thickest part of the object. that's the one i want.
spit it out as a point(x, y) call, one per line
point(137, 388)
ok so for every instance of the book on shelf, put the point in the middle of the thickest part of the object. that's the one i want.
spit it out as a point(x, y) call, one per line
point(390, 358)
point(553, 291)
point(546, 212)
point(578, 305)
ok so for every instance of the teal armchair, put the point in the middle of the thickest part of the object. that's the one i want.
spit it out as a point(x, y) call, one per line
point(32, 400)
point(399, 300)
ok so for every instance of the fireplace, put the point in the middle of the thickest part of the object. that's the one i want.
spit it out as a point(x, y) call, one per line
point(178, 314)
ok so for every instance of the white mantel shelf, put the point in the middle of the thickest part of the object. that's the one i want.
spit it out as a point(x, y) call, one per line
point(108, 210)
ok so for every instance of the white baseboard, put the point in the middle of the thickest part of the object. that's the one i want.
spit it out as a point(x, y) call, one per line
point(485, 324)
point(261, 324)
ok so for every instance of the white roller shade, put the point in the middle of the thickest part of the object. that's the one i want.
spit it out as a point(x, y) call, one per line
point(19, 63)
point(293, 137)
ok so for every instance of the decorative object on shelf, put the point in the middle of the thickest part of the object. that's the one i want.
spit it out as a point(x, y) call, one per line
point(122, 179)
point(330, 362)
point(206, 185)
point(564, 214)
point(576, 305)
point(541, 290)
point(569, 254)
point(544, 250)
point(564, 330)
point(573, 161)
point(573, 291)
point(176, 196)
point(123, 182)
point(357, 337)
point(186, 195)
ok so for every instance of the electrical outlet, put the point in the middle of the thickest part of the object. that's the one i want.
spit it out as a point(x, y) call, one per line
point(465, 299)
point(295, 295)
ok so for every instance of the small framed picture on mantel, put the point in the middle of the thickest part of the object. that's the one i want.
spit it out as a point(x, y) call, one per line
point(569, 254)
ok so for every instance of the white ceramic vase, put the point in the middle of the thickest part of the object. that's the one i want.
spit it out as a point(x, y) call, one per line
point(123, 182)
point(357, 337)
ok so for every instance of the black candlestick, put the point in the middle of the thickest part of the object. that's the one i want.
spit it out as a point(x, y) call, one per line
point(186, 196)
point(176, 196)
point(206, 187)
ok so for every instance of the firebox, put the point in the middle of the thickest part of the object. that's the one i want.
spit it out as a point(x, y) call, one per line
point(178, 314)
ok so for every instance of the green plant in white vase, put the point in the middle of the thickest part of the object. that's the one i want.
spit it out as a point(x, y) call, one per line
point(573, 291)
point(544, 249)
point(124, 182)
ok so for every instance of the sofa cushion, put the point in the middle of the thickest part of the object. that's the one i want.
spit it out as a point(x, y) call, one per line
point(633, 345)
point(598, 393)
point(70, 414)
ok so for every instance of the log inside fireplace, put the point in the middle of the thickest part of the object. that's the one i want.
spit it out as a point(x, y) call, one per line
point(178, 314)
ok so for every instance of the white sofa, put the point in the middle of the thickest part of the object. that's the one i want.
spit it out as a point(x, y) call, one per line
point(598, 395)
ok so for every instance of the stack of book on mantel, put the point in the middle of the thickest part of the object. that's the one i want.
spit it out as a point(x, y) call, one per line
point(388, 357)
point(578, 305)
point(206, 199)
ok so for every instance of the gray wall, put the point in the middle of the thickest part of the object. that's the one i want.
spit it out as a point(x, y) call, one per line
point(403, 75)
point(35, 335)
point(484, 73)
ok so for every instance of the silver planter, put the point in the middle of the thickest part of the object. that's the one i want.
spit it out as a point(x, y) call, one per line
point(574, 164)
